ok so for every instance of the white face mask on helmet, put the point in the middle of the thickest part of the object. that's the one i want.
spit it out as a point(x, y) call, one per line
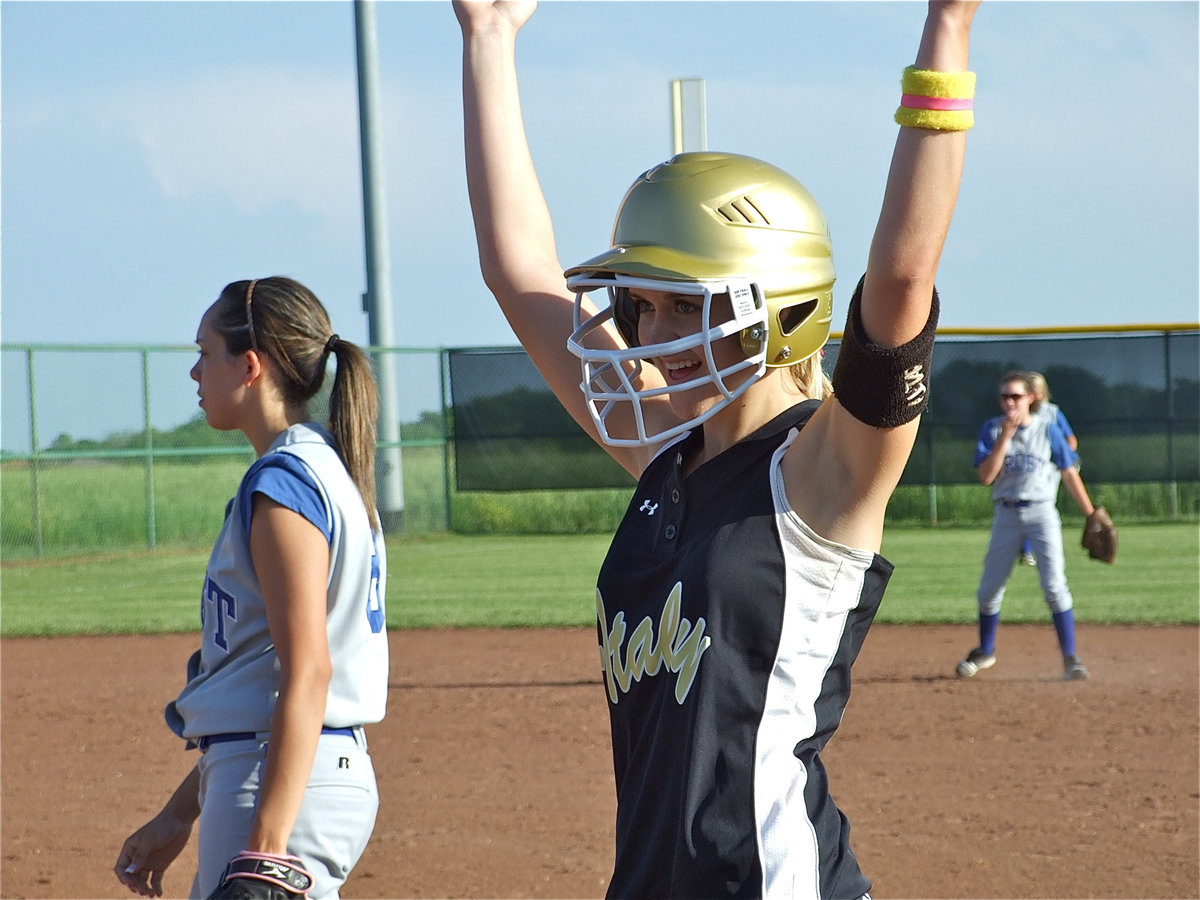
point(610, 373)
point(706, 224)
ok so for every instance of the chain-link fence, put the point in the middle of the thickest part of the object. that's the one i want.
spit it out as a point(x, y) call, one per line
point(104, 448)
point(1131, 397)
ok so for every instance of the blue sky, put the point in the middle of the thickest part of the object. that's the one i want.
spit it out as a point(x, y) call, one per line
point(154, 151)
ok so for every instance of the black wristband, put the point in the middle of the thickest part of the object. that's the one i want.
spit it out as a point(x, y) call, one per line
point(883, 386)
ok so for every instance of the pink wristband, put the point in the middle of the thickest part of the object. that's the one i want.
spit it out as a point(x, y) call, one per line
point(916, 101)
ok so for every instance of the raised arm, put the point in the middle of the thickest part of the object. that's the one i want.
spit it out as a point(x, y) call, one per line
point(513, 229)
point(918, 201)
point(512, 223)
point(859, 464)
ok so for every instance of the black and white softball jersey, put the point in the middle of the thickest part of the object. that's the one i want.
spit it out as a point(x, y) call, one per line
point(727, 631)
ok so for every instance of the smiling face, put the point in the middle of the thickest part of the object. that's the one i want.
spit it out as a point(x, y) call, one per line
point(221, 376)
point(666, 316)
point(682, 359)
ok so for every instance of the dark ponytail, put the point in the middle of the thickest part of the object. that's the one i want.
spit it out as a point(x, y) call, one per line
point(283, 320)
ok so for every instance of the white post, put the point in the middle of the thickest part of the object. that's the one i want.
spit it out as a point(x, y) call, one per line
point(689, 115)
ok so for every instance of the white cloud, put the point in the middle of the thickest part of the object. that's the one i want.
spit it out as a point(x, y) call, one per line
point(261, 135)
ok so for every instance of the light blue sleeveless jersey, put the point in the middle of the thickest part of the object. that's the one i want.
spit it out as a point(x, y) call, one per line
point(233, 680)
point(1035, 455)
point(1054, 414)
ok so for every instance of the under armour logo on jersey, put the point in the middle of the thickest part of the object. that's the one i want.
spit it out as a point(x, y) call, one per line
point(648, 508)
point(914, 384)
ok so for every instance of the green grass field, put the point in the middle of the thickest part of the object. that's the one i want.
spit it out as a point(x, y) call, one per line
point(102, 506)
point(541, 580)
point(95, 506)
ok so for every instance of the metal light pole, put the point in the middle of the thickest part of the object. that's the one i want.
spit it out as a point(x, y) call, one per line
point(377, 301)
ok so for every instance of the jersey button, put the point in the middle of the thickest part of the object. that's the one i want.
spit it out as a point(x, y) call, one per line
point(674, 495)
point(670, 532)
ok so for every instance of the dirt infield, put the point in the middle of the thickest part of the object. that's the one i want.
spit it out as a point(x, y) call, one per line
point(495, 771)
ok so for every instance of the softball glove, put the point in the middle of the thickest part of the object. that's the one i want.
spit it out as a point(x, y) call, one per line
point(1100, 536)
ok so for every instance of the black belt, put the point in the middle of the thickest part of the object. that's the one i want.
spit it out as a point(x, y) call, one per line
point(1015, 504)
point(230, 736)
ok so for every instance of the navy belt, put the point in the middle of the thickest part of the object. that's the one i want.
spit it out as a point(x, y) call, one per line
point(230, 736)
point(1015, 504)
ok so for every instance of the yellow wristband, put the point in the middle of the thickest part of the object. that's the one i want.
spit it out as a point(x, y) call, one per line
point(927, 83)
point(936, 119)
point(940, 101)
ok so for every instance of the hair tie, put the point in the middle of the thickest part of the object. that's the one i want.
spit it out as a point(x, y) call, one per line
point(249, 317)
point(333, 339)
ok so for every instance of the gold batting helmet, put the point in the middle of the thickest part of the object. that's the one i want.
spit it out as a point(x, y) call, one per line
point(712, 223)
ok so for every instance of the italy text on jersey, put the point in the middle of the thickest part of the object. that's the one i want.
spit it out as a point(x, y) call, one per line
point(677, 647)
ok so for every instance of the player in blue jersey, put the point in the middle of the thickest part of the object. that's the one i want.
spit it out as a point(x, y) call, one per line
point(741, 583)
point(294, 654)
point(1023, 457)
point(1042, 405)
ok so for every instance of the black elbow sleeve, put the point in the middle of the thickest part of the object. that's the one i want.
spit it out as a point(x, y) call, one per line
point(883, 386)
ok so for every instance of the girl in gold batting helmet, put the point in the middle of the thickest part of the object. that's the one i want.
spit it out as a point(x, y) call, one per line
point(742, 581)
point(716, 226)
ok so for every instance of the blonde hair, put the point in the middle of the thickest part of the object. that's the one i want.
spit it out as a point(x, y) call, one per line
point(811, 378)
point(1040, 389)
